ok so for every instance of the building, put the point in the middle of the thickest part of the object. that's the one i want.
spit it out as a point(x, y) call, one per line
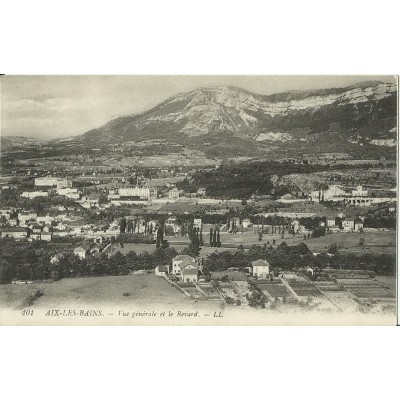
point(161, 270)
point(56, 259)
point(146, 192)
point(14, 232)
point(197, 223)
point(64, 183)
point(81, 252)
point(46, 181)
point(359, 192)
point(73, 196)
point(46, 236)
point(189, 272)
point(66, 191)
point(358, 225)
point(174, 193)
point(178, 260)
point(6, 213)
point(201, 191)
point(45, 219)
point(333, 193)
point(260, 268)
point(246, 223)
point(25, 217)
point(36, 228)
point(330, 222)
point(32, 195)
point(348, 224)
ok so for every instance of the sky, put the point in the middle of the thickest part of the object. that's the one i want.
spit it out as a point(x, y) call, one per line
point(50, 107)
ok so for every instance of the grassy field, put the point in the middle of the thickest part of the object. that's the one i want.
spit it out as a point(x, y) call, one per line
point(130, 290)
point(374, 242)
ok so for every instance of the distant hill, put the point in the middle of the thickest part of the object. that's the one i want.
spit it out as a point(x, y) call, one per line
point(8, 142)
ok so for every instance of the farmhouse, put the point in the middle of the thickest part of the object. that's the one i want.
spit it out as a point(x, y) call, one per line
point(260, 268)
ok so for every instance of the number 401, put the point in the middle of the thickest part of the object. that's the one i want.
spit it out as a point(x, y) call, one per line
point(27, 313)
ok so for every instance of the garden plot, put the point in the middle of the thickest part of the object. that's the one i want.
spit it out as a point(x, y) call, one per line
point(243, 289)
point(274, 289)
point(229, 292)
point(211, 293)
point(328, 286)
point(365, 289)
point(192, 291)
point(303, 288)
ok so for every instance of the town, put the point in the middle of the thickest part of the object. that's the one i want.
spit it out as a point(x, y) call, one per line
point(327, 246)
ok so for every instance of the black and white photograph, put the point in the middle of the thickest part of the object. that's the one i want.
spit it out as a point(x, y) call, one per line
point(198, 200)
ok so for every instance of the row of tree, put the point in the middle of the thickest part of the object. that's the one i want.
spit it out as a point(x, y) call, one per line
point(29, 264)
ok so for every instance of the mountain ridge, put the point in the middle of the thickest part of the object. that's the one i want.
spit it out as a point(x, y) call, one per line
point(220, 109)
point(215, 120)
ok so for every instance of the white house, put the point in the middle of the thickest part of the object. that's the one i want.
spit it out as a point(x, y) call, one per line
point(174, 193)
point(197, 223)
point(330, 222)
point(178, 260)
point(47, 236)
point(189, 271)
point(260, 268)
point(161, 270)
point(358, 225)
point(348, 224)
point(246, 223)
point(81, 252)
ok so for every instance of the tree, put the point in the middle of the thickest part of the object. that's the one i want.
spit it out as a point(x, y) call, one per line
point(333, 248)
point(211, 237)
point(260, 235)
point(159, 237)
point(215, 238)
point(122, 225)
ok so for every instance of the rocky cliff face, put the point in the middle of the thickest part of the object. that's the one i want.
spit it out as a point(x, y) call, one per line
point(360, 114)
